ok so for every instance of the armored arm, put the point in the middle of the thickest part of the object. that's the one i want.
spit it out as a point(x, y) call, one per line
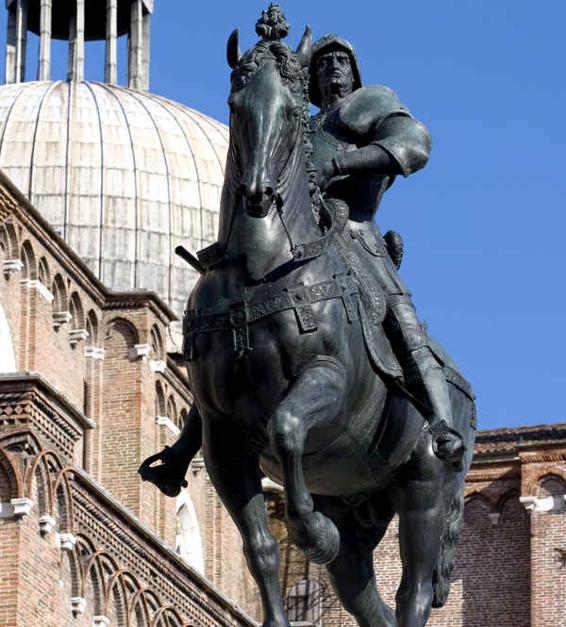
point(397, 143)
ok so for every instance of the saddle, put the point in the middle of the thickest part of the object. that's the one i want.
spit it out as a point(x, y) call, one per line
point(352, 245)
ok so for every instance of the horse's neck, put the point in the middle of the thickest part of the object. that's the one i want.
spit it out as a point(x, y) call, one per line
point(264, 244)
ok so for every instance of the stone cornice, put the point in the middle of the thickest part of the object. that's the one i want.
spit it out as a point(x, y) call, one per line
point(22, 210)
point(27, 398)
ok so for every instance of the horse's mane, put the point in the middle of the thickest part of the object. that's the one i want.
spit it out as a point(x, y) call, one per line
point(296, 78)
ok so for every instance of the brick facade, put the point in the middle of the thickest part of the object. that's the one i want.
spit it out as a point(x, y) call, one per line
point(84, 542)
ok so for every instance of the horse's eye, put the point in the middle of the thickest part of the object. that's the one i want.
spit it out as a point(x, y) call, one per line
point(297, 111)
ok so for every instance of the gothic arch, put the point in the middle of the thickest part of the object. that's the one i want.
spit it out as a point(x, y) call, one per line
point(29, 261)
point(92, 328)
point(10, 240)
point(44, 273)
point(116, 594)
point(188, 543)
point(160, 408)
point(60, 296)
point(172, 410)
point(7, 353)
point(77, 312)
point(551, 484)
point(156, 344)
point(10, 478)
point(125, 329)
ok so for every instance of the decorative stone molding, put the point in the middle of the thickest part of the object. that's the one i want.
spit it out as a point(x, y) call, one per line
point(77, 335)
point(94, 352)
point(100, 621)
point(545, 504)
point(270, 486)
point(34, 284)
point(61, 317)
point(78, 606)
point(139, 351)
point(66, 541)
point(16, 508)
point(46, 524)
point(22, 506)
point(12, 266)
point(165, 421)
point(157, 365)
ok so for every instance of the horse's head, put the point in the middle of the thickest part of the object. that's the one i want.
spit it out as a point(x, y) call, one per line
point(268, 105)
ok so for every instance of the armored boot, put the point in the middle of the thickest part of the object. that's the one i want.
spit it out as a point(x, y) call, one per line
point(447, 443)
point(423, 369)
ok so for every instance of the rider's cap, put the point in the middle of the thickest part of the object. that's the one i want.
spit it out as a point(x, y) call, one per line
point(328, 43)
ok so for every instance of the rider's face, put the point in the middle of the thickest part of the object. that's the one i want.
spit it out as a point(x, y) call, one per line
point(334, 72)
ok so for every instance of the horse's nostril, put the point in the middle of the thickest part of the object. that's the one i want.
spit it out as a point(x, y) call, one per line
point(269, 191)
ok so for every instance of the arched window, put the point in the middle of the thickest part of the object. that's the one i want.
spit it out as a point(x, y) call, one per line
point(188, 542)
point(159, 400)
point(60, 304)
point(29, 264)
point(156, 344)
point(43, 273)
point(78, 330)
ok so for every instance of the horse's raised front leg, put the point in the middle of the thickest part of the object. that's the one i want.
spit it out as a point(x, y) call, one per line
point(235, 474)
point(315, 397)
point(419, 498)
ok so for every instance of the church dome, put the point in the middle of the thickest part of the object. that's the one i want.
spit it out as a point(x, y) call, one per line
point(122, 174)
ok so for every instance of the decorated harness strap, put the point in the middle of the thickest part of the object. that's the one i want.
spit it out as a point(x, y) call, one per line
point(238, 315)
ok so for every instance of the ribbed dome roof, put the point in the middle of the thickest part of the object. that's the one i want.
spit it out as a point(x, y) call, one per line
point(124, 176)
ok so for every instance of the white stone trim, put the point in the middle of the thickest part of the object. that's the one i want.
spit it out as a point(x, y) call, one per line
point(77, 335)
point(11, 266)
point(34, 284)
point(78, 605)
point(139, 351)
point(46, 524)
point(268, 485)
point(157, 365)
point(66, 541)
point(16, 507)
point(61, 317)
point(22, 506)
point(165, 421)
point(100, 621)
point(95, 352)
point(546, 504)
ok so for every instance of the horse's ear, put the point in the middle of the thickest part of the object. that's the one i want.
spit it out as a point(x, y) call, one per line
point(233, 49)
point(304, 50)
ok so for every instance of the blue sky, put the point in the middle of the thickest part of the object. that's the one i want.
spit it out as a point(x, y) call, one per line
point(484, 222)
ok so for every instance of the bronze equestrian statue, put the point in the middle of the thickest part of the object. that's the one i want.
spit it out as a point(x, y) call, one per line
point(304, 353)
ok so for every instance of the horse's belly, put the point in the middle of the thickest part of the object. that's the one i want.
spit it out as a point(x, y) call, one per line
point(340, 469)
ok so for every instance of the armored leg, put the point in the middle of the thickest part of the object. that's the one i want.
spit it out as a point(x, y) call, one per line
point(423, 369)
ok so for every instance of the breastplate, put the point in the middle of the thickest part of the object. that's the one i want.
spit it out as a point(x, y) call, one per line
point(361, 191)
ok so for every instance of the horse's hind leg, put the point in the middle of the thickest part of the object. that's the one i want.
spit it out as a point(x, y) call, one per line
point(352, 573)
point(316, 396)
point(419, 497)
point(235, 475)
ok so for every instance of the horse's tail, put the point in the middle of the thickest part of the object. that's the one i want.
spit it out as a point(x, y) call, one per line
point(443, 570)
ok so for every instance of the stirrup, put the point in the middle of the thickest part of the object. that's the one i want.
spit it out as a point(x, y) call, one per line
point(438, 428)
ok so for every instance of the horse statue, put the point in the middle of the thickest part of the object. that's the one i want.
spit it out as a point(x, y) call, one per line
point(282, 379)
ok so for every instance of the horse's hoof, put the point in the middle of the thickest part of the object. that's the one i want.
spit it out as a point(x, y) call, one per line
point(323, 541)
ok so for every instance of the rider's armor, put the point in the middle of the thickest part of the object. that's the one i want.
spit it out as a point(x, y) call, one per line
point(374, 115)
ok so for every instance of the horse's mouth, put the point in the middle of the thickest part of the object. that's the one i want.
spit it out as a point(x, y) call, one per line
point(259, 208)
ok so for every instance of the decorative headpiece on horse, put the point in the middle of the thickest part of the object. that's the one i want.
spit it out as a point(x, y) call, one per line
point(272, 27)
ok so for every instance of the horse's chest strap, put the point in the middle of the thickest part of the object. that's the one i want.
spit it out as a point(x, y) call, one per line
point(238, 315)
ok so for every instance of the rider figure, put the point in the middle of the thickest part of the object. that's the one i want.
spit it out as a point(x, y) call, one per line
point(363, 137)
